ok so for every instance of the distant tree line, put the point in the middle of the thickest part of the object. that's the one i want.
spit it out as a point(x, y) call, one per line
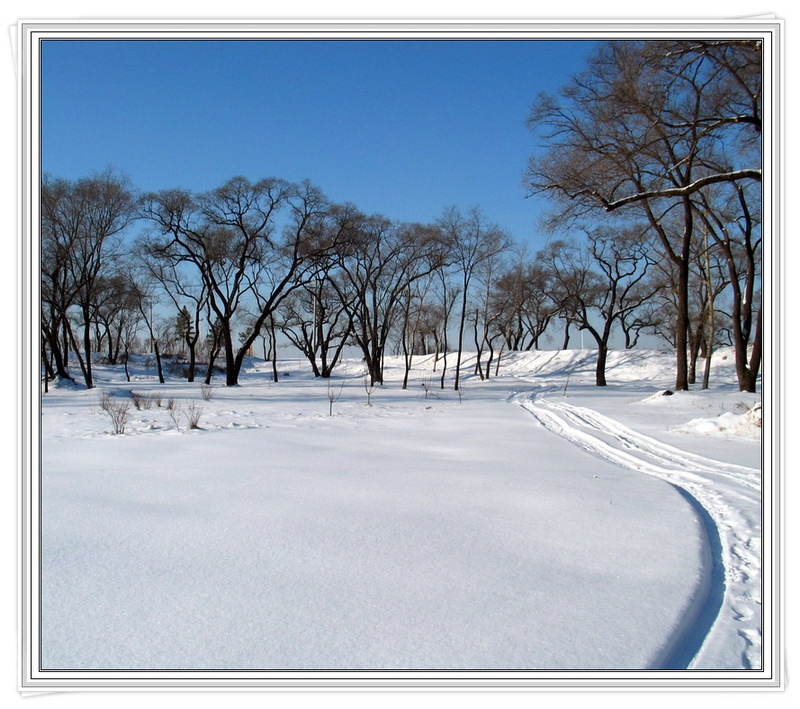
point(652, 157)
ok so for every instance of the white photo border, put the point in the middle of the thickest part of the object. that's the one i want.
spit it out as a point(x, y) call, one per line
point(30, 35)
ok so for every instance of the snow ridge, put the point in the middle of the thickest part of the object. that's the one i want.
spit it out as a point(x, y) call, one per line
point(725, 616)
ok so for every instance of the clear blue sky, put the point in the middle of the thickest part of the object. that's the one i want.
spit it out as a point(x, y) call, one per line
point(403, 128)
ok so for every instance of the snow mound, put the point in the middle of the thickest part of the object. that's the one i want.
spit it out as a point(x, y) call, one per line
point(746, 425)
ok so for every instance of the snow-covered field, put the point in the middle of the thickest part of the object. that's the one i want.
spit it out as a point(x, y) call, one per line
point(535, 522)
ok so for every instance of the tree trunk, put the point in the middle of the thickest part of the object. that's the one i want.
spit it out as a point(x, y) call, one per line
point(232, 359)
point(48, 370)
point(126, 355)
point(87, 349)
point(694, 353)
point(478, 350)
point(77, 353)
point(682, 319)
point(212, 356)
point(499, 357)
point(192, 361)
point(490, 358)
point(748, 376)
point(273, 345)
point(160, 369)
point(707, 368)
point(58, 364)
point(461, 323)
point(602, 357)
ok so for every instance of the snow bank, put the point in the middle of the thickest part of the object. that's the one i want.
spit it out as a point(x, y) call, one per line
point(727, 425)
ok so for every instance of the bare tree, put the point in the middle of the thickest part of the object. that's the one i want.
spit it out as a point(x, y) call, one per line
point(490, 314)
point(448, 291)
point(379, 263)
point(523, 292)
point(79, 220)
point(643, 131)
point(187, 293)
point(140, 291)
point(231, 236)
point(472, 241)
point(318, 317)
point(598, 284)
point(333, 394)
point(411, 316)
point(734, 229)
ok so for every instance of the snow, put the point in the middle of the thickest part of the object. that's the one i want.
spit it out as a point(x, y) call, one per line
point(535, 522)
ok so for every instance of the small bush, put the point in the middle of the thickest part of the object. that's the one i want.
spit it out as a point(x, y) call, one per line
point(141, 401)
point(174, 409)
point(158, 398)
point(206, 392)
point(118, 411)
point(369, 387)
point(334, 393)
point(426, 383)
point(105, 400)
point(193, 413)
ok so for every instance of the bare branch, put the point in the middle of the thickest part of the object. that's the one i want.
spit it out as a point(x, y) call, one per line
point(685, 191)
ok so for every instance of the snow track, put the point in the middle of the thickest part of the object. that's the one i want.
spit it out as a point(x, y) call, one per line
point(724, 618)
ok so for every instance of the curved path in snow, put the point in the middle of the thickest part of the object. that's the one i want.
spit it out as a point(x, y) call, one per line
point(722, 629)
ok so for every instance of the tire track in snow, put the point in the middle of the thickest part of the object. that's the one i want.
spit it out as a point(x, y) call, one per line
point(726, 612)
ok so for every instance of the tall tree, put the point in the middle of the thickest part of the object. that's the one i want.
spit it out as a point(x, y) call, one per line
point(525, 291)
point(231, 236)
point(643, 131)
point(377, 264)
point(79, 220)
point(183, 287)
point(318, 322)
point(472, 241)
point(734, 229)
point(598, 283)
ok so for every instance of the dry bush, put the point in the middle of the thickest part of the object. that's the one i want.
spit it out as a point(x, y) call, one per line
point(334, 393)
point(105, 399)
point(426, 383)
point(174, 409)
point(369, 387)
point(141, 401)
point(206, 392)
point(193, 413)
point(118, 411)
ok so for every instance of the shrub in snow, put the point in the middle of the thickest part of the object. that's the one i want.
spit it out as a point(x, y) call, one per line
point(118, 411)
point(193, 413)
point(174, 409)
point(105, 400)
point(426, 383)
point(141, 401)
point(334, 393)
point(206, 392)
point(369, 387)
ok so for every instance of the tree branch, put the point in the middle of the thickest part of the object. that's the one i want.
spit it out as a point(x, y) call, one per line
point(751, 174)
